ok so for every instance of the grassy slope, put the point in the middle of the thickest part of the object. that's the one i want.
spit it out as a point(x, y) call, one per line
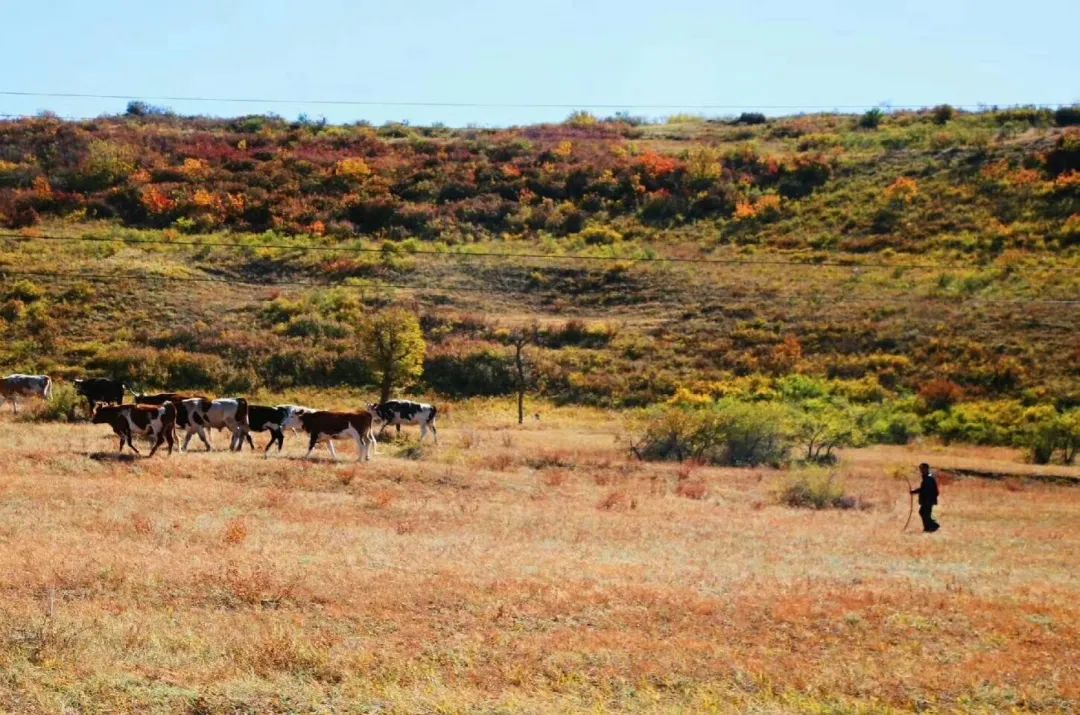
point(525, 569)
point(988, 206)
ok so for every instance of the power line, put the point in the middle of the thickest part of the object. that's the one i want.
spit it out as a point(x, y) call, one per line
point(882, 302)
point(493, 105)
point(809, 263)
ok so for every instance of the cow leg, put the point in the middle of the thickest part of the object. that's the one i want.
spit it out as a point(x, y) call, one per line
point(361, 448)
point(170, 437)
point(330, 446)
point(121, 443)
point(423, 432)
point(247, 436)
point(202, 435)
point(311, 445)
point(133, 447)
point(159, 437)
point(434, 433)
point(276, 435)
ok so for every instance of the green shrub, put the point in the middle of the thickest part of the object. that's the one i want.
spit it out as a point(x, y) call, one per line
point(815, 489)
point(751, 118)
point(1046, 431)
point(470, 370)
point(727, 433)
point(892, 424)
point(62, 407)
point(1067, 116)
point(25, 290)
point(871, 119)
point(942, 113)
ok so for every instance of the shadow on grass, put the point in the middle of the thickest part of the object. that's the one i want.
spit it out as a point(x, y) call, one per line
point(126, 457)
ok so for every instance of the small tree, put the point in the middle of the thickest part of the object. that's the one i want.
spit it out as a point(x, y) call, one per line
point(392, 345)
point(823, 428)
point(518, 339)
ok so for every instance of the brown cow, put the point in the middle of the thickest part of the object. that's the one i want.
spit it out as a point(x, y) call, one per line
point(156, 422)
point(328, 426)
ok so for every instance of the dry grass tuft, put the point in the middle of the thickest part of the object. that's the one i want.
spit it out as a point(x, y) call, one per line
point(499, 462)
point(235, 532)
point(554, 477)
point(617, 500)
point(692, 489)
point(382, 499)
point(142, 524)
point(469, 439)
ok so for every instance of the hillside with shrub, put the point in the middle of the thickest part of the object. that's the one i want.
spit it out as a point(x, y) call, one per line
point(873, 277)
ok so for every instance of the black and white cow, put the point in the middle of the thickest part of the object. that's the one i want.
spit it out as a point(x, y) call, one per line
point(406, 412)
point(232, 414)
point(191, 416)
point(156, 422)
point(101, 390)
point(18, 385)
point(275, 420)
point(327, 426)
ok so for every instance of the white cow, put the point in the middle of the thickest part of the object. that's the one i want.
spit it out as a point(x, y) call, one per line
point(14, 386)
point(231, 414)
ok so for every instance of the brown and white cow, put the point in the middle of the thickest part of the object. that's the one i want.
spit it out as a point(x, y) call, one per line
point(191, 413)
point(327, 426)
point(18, 385)
point(156, 422)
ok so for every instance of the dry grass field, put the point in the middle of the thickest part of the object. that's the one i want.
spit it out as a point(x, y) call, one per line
point(521, 569)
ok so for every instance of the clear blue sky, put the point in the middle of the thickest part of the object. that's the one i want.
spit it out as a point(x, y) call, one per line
point(584, 52)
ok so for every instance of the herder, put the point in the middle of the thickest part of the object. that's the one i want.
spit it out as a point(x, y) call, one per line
point(928, 494)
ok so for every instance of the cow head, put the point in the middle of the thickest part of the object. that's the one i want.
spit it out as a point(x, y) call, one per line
point(376, 415)
point(292, 416)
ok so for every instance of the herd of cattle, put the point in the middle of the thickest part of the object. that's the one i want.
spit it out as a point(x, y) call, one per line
point(159, 416)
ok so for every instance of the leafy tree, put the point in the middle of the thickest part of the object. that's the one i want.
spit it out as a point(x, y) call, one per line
point(393, 346)
point(823, 427)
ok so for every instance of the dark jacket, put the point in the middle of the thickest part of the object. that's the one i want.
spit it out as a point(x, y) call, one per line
point(927, 491)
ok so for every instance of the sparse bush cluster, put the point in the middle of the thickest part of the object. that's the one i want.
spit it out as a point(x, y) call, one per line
point(727, 433)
